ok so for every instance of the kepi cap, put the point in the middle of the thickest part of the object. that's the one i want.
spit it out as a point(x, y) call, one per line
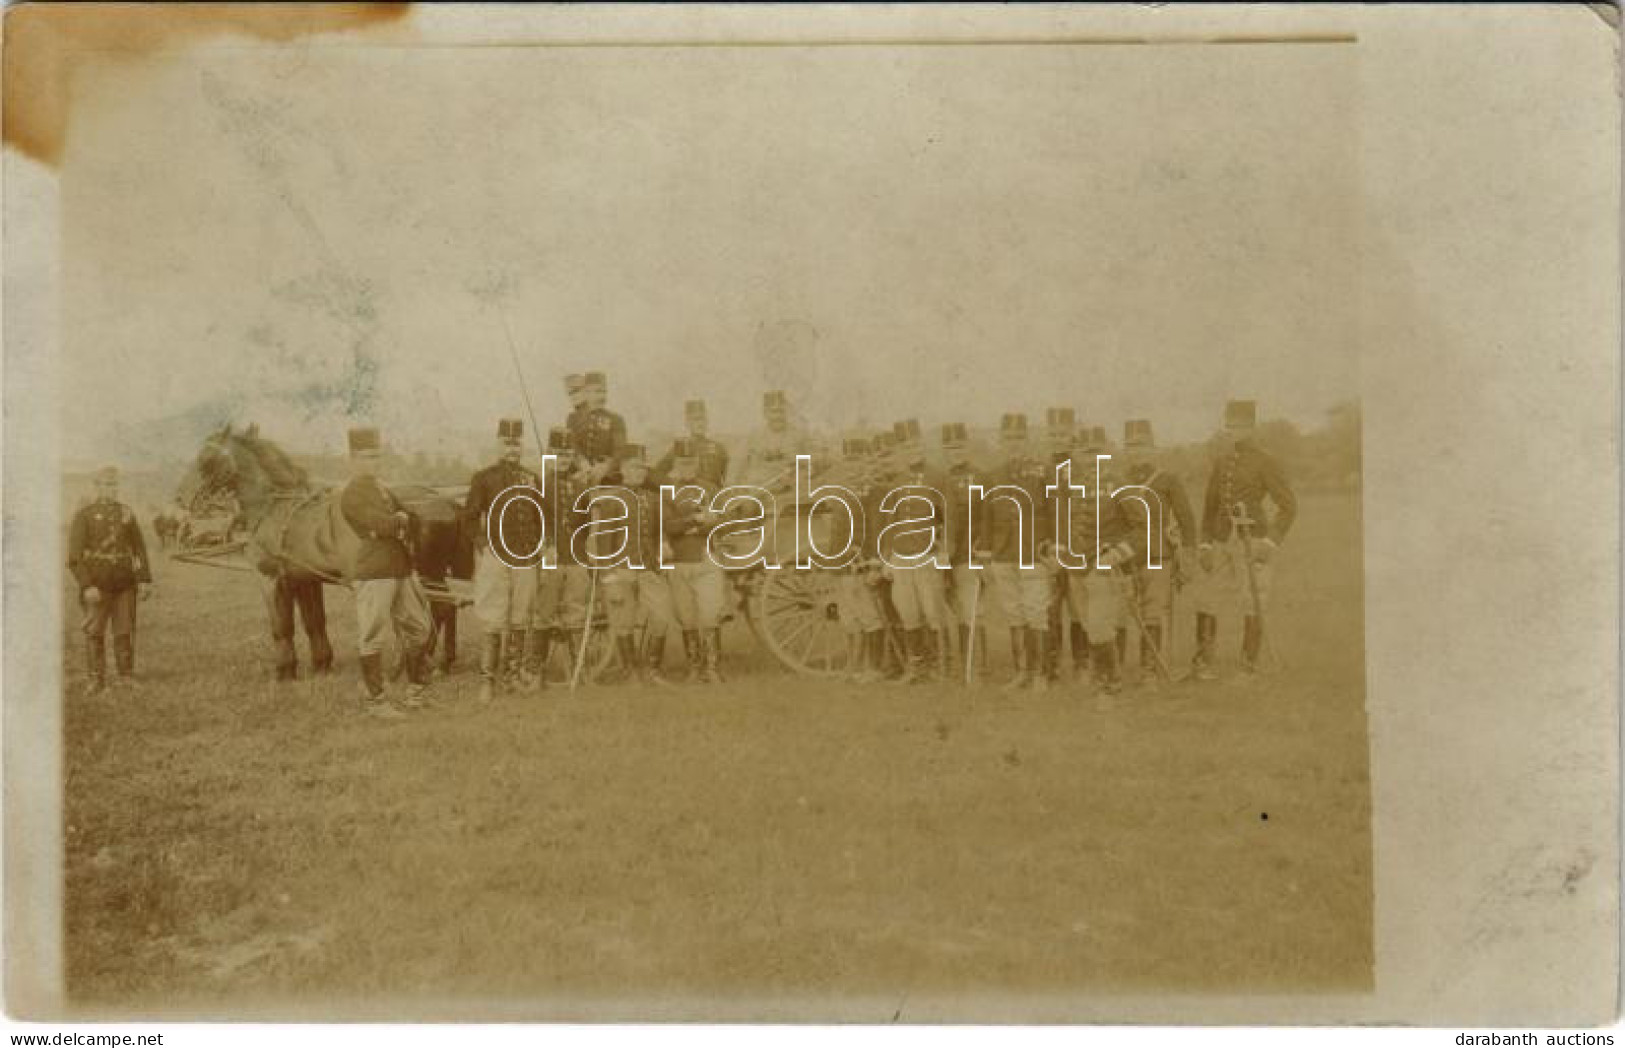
point(1137, 434)
point(1241, 414)
point(510, 430)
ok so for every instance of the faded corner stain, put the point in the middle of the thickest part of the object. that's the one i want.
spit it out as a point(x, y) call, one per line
point(41, 41)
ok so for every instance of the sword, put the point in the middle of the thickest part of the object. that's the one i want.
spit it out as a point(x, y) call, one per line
point(1243, 525)
point(975, 606)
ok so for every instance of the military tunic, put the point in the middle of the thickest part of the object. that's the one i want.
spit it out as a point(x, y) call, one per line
point(107, 553)
point(387, 593)
point(1246, 478)
point(505, 585)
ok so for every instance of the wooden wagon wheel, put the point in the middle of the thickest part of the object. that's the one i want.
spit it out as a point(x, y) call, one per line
point(600, 653)
point(796, 614)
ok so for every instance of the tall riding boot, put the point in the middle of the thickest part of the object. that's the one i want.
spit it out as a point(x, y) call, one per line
point(1046, 658)
point(712, 648)
point(124, 657)
point(490, 665)
point(95, 664)
point(1103, 660)
point(654, 656)
point(967, 656)
point(1079, 639)
point(372, 689)
point(1207, 632)
point(1052, 643)
point(874, 656)
point(1252, 638)
point(691, 654)
point(1018, 658)
point(1122, 647)
point(513, 660)
point(626, 650)
point(448, 639)
point(538, 648)
point(1032, 657)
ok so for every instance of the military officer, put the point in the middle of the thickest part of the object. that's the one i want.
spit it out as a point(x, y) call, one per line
point(505, 578)
point(919, 592)
point(1109, 534)
point(558, 604)
point(856, 604)
point(698, 589)
point(966, 519)
point(1234, 524)
point(387, 592)
point(1173, 507)
point(1060, 431)
point(108, 559)
point(596, 433)
point(1023, 581)
point(637, 592)
point(711, 456)
point(575, 388)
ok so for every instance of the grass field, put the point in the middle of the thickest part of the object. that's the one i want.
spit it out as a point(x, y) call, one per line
point(232, 842)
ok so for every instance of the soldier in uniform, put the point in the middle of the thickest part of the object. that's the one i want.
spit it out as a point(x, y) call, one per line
point(1060, 431)
point(108, 559)
point(596, 433)
point(638, 590)
point(558, 604)
point(919, 593)
point(698, 589)
point(965, 521)
point(387, 593)
point(860, 614)
point(1244, 475)
point(1016, 534)
point(504, 585)
point(711, 457)
point(1110, 534)
point(1156, 587)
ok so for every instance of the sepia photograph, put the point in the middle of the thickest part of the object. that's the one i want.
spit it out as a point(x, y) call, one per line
point(618, 515)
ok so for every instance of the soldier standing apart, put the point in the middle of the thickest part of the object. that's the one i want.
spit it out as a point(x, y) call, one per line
point(108, 559)
point(965, 519)
point(1016, 533)
point(638, 589)
point(1233, 519)
point(387, 593)
point(697, 586)
point(504, 585)
point(919, 592)
point(1173, 506)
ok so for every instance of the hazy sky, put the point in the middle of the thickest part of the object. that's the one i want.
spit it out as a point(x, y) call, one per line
point(322, 234)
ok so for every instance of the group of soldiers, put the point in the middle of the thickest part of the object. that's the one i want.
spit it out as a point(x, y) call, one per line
point(916, 624)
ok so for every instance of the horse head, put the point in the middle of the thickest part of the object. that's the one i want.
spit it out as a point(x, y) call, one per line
point(238, 464)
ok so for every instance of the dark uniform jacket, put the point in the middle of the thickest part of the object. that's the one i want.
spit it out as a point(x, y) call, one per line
point(711, 460)
point(1007, 537)
point(1178, 521)
point(1247, 476)
point(1122, 524)
point(963, 513)
point(370, 510)
point(521, 521)
point(684, 529)
point(596, 434)
point(643, 527)
point(916, 540)
point(105, 548)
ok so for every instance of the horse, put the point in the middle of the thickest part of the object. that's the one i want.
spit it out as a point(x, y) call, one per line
point(298, 540)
